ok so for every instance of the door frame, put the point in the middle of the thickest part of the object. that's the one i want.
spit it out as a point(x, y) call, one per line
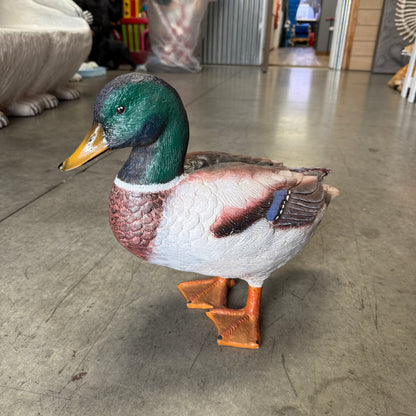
point(340, 45)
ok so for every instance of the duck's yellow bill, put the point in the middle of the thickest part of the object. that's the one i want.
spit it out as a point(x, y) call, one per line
point(93, 145)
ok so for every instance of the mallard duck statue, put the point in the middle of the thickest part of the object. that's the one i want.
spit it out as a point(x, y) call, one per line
point(217, 214)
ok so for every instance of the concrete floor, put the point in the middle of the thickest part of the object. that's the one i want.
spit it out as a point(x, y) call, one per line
point(88, 329)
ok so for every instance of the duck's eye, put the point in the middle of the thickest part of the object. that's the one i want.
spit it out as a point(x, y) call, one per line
point(120, 109)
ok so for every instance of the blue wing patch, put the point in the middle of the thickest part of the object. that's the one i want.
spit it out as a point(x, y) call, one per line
point(279, 199)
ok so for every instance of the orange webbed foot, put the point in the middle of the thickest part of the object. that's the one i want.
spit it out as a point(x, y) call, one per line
point(241, 327)
point(206, 293)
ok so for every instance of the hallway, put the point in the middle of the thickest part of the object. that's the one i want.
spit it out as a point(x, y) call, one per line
point(88, 329)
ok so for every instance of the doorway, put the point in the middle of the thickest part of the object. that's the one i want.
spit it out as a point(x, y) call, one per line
point(301, 32)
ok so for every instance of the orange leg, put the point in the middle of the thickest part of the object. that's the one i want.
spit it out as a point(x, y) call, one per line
point(239, 327)
point(206, 293)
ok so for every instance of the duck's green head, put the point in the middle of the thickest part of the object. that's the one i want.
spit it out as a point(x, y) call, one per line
point(143, 112)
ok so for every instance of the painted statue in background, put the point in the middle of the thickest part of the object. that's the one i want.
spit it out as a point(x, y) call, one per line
point(43, 43)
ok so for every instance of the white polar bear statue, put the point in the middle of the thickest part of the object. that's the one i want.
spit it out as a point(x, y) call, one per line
point(42, 44)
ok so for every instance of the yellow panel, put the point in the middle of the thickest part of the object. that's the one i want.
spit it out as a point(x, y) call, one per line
point(126, 9)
